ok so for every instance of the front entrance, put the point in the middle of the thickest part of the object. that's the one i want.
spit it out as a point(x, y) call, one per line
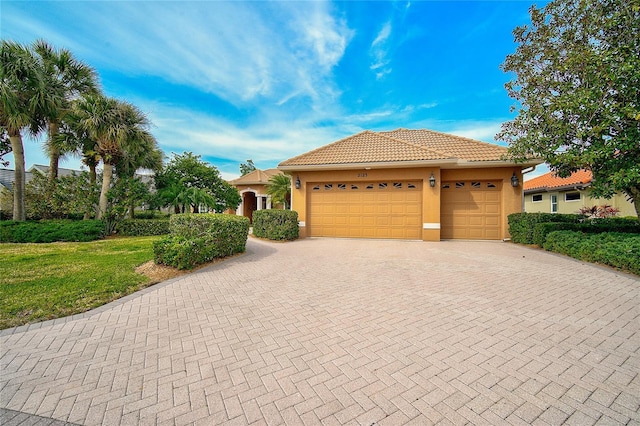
point(250, 203)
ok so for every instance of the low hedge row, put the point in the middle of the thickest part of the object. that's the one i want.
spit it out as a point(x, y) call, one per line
point(521, 225)
point(195, 239)
point(142, 227)
point(591, 226)
point(276, 225)
point(49, 231)
point(620, 250)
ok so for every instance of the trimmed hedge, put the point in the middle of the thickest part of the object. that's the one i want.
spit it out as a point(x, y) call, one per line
point(199, 238)
point(150, 214)
point(620, 250)
point(143, 227)
point(591, 226)
point(49, 231)
point(521, 225)
point(276, 224)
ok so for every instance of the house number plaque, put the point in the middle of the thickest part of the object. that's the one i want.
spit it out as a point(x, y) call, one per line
point(361, 175)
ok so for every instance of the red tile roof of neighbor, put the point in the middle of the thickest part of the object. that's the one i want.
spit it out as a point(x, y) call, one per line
point(400, 145)
point(550, 180)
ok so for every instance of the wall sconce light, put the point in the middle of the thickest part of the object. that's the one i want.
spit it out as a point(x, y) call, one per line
point(432, 180)
point(297, 182)
point(514, 180)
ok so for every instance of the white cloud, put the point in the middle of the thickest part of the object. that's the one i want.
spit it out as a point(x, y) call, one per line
point(379, 51)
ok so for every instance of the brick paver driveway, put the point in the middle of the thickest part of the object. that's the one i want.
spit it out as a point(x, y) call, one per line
point(344, 332)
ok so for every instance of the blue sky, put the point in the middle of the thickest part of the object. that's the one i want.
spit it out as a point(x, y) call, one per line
point(238, 80)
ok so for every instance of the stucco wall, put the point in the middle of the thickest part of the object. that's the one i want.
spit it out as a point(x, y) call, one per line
point(619, 201)
point(511, 197)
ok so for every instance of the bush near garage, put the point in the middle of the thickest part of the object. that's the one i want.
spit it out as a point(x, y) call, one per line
point(521, 225)
point(619, 250)
point(278, 225)
point(195, 239)
point(142, 227)
point(591, 226)
point(49, 231)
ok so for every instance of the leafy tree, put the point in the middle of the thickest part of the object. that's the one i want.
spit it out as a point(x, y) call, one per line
point(279, 187)
point(5, 147)
point(22, 100)
point(246, 168)
point(64, 197)
point(65, 79)
point(577, 92)
point(187, 181)
point(126, 191)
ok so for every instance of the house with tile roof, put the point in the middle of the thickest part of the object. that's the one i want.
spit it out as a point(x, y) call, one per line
point(406, 184)
point(549, 193)
point(253, 190)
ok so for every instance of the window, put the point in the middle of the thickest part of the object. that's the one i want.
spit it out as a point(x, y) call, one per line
point(459, 185)
point(342, 186)
point(411, 186)
point(316, 188)
point(536, 198)
point(328, 186)
point(382, 185)
point(476, 184)
point(354, 187)
point(554, 204)
point(397, 185)
point(572, 196)
point(446, 186)
point(491, 185)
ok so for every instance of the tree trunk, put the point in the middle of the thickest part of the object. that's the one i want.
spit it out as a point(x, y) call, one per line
point(54, 152)
point(107, 173)
point(132, 210)
point(19, 180)
point(92, 182)
point(634, 191)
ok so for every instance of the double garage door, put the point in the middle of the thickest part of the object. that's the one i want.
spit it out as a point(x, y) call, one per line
point(393, 209)
point(385, 209)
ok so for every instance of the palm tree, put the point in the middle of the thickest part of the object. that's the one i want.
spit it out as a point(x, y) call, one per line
point(66, 79)
point(279, 187)
point(23, 97)
point(115, 126)
point(142, 153)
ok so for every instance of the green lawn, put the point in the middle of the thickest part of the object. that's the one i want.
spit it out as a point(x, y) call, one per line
point(45, 281)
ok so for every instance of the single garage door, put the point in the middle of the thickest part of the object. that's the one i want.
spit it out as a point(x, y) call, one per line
point(470, 210)
point(384, 209)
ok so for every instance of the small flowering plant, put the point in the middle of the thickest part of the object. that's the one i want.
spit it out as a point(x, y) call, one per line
point(599, 211)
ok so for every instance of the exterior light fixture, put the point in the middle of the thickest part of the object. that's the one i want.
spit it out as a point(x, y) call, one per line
point(297, 182)
point(514, 180)
point(432, 180)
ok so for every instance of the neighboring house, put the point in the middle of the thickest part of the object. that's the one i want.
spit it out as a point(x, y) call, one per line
point(405, 184)
point(253, 190)
point(552, 194)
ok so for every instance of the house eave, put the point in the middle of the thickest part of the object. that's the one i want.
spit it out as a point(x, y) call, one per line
point(450, 163)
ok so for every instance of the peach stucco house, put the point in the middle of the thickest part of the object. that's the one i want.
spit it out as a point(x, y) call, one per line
point(405, 184)
point(253, 190)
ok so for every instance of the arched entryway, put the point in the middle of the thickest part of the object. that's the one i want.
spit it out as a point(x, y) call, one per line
point(250, 204)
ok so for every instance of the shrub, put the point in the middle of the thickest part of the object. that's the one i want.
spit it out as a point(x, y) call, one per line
point(591, 226)
point(48, 231)
point(620, 250)
point(142, 227)
point(199, 238)
point(521, 225)
point(150, 214)
point(276, 224)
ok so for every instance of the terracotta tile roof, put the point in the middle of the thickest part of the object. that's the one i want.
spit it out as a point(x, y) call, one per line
point(401, 145)
point(551, 181)
point(256, 177)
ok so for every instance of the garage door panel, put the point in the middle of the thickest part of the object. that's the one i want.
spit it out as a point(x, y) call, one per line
point(471, 210)
point(367, 210)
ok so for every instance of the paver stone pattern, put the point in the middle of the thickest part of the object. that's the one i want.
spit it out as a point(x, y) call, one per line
point(327, 331)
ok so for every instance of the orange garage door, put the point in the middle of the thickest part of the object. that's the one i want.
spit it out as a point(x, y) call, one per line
point(365, 209)
point(470, 210)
